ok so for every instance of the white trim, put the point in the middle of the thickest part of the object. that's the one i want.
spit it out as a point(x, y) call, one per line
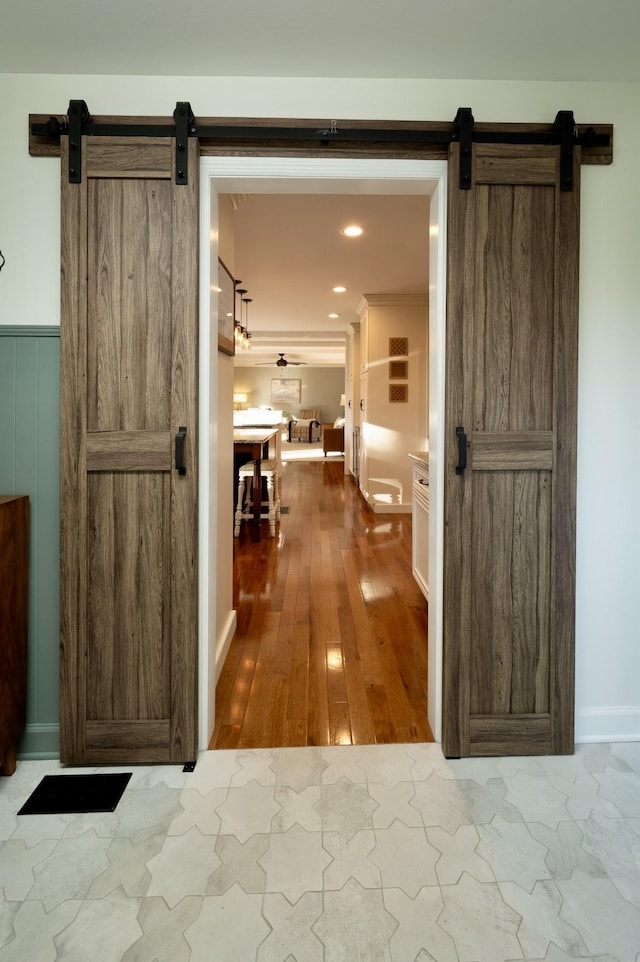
point(608, 724)
point(305, 175)
point(391, 300)
point(333, 175)
point(437, 344)
point(206, 626)
point(405, 507)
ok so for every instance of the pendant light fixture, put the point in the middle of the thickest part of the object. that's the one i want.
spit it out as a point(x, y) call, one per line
point(246, 346)
point(241, 334)
point(238, 336)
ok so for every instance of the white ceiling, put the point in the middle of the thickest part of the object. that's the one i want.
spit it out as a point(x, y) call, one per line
point(447, 39)
point(290, 253)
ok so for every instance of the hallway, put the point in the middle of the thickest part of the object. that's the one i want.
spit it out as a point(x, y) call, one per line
point(330, 646)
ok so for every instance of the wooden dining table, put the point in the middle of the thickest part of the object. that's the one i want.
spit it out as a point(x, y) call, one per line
point(257, 443)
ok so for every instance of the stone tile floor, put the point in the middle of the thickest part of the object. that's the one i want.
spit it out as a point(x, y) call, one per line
point(359, 854)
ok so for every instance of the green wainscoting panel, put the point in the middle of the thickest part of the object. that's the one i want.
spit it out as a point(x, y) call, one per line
point(29, 464)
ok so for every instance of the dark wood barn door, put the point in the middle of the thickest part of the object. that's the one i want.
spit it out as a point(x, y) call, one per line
point(129, 517)
point(511, 384)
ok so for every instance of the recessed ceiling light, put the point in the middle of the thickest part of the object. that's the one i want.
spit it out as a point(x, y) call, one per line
point(353, 230)
point(333, 315)
point(339, 289)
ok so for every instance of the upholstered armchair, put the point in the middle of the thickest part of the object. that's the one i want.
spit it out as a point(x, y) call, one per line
point(306, 426)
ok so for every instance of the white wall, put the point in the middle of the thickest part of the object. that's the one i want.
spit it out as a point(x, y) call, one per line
point(221, 453)
point(607, 649)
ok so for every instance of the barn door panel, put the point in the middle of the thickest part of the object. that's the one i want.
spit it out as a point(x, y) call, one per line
point(510, 514)
point(129, 518)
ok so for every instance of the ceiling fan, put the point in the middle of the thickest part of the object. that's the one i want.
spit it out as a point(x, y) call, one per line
point(281, 362)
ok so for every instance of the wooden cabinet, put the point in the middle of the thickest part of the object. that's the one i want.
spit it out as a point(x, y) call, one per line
point(333, 439)
point(14, 579)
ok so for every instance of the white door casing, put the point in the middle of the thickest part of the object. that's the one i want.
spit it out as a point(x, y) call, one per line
point(307, 176)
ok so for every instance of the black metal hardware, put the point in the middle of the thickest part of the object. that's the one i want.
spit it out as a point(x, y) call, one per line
point(422, 481)
point(564, 127)
point(462, 451)
point(189, 767)
point(331, 131)
point(444, 134)
point(54, 127)
point(464, 127)
point(183, 116)
point(78, 115)
point(180, 440)
point(2, 260)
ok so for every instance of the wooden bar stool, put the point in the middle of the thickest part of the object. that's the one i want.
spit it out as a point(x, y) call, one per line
point(244, 508)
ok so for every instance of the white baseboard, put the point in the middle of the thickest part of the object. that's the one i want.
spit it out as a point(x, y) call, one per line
point(224, 641)
point(608, 724)
point(382, 508)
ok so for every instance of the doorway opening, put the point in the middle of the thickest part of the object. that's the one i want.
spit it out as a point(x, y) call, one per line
point(222, 175)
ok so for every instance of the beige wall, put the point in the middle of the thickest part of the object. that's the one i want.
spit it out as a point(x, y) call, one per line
point(320, 387)
point(390, 430)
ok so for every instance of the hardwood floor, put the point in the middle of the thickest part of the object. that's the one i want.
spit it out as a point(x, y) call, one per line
point(331, 642)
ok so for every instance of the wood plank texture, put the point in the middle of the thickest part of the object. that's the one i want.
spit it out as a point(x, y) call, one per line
point(124, 156)
point(129, 303)
point(563, 547)
point(510, 516)
point(73, 424)
point(331, 642)
point(120, 736)
point(539, 167)
point(129, 593)
point(458, 502)
point(184, 490)
point(518, 734)
point(511, 450)
point(129, 451)
point(129, 521)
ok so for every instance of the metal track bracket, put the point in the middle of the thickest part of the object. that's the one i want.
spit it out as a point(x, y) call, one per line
point(183, 116)
point(78, 115)
point(463, 124)
point(565, 129)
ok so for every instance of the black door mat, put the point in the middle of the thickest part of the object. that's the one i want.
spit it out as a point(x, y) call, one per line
point(72, 794)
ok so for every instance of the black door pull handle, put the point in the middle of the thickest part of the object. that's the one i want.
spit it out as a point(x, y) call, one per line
point(180, 439)
point(462, 451)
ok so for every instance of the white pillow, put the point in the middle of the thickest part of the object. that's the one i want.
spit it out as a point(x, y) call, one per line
point(339, 423)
